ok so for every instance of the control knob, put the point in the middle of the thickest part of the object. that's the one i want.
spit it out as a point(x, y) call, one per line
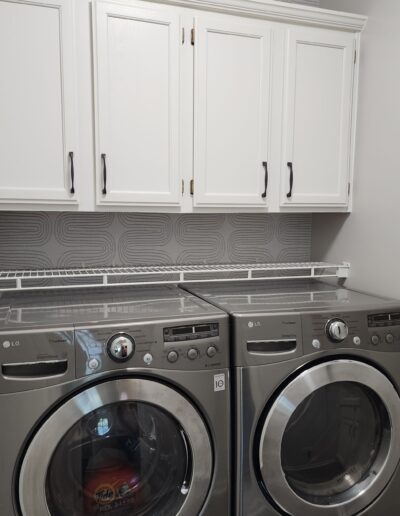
point(337, 330)
point(121, 347)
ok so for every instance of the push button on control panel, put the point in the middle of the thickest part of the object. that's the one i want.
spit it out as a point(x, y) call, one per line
point(93, 364)
point(192, 354)
point(148, 358)
point(375, 340)
point(172, 357)
point(389, 338)
point(211, 351)
point(316, 344)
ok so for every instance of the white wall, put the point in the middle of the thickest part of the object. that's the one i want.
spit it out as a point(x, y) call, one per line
point(369, 238)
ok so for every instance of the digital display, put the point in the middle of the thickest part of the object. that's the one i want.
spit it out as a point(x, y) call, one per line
point(379, 318)
point(197, 331)
point(202, 327)
point(382, 320)
point(182, 330)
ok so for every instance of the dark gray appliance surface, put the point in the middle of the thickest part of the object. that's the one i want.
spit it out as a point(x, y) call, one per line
point(59, 308)
point(280, 330)
point(55, 344)
point(283, 296)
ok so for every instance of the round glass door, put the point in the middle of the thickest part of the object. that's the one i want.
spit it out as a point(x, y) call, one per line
point(331, 440)
point(129, 447)
point(126, 458)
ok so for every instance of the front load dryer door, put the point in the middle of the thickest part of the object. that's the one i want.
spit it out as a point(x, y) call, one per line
point(123, 447)
point(330, 442)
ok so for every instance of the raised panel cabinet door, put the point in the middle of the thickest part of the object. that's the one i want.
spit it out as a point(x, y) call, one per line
point(317, 117)
point(37, 102)
point(231, 111)
point(137, 90)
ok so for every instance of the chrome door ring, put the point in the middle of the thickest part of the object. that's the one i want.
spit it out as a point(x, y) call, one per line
point(280, 413)
point(37, 459)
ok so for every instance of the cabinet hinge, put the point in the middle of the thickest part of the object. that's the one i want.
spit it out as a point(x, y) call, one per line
point(191, 187)
point(183, 35)
point(355, 56)
point(192, 36)
point(183, 186)
point(348, 189)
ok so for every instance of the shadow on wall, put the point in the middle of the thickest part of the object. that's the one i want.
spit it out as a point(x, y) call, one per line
point(39, 240)
point(326, 227)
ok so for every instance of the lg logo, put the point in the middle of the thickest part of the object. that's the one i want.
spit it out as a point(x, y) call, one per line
point(11, 344)
point(255, 324)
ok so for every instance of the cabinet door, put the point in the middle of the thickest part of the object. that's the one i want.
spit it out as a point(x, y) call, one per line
point(37, 102)
point(137, 87)
point(231, 111)
point(317, 119)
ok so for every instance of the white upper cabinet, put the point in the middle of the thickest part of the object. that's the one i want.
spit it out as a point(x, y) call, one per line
point(37, 103)
point(316, 159)
point(180, 109)
point(137, 53)
point(232, 74)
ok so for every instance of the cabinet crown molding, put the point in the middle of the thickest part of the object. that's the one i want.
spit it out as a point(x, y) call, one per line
point(279, 11)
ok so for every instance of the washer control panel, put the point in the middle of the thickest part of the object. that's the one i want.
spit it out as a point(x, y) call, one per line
point(189, 347)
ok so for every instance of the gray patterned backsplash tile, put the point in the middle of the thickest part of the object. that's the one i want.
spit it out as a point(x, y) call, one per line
point(38, 240)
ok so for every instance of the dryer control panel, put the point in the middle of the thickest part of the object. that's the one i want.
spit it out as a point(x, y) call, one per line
point(351, 330)
point(272, 338)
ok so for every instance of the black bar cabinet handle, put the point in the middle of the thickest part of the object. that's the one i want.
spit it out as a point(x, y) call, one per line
point(289, 194)
point(265, 165)
point(71, 157)
point(103, 157)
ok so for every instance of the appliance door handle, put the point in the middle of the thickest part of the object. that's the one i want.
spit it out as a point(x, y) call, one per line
point(71, 157)
point(103, 158)
point(271, 347)
point(289, 194)
point(35, 369)
point(265, 165)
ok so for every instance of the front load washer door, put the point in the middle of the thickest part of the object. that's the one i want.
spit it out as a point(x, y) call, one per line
point(330, 442)
point(124, 447)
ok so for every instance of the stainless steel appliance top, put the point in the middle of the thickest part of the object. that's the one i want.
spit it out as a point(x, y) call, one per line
point(284, 296)
point(99, 306)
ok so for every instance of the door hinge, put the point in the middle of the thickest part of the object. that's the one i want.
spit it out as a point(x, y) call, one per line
point(192, 187)
point(192, 36)
point(355, 56)
point(183, 35)
point(183, 186)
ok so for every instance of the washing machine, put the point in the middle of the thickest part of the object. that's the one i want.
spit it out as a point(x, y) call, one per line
point(316, 376)
point(113, 402)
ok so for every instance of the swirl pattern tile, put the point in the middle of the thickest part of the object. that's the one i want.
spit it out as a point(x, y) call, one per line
point(40, 240)
point(83, 239)
point(252, 238)
point(143, 239)
point(201, 239)
point(24, 240)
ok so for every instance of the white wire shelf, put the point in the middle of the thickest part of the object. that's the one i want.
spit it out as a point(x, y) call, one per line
point(41, 279)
